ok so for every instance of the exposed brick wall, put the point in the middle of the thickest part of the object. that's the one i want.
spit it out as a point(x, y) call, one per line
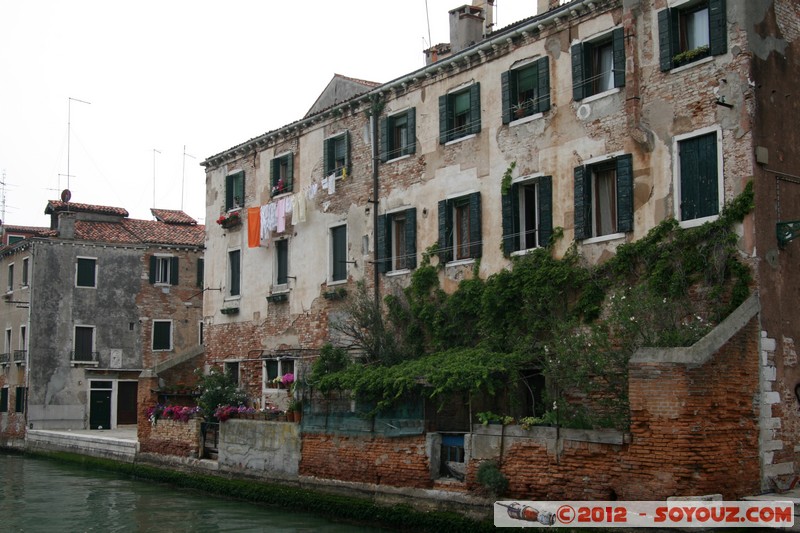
point(172, 437)
point(400, 462)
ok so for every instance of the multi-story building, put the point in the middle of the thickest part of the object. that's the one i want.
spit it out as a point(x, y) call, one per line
point(610, 115)
point(90, 303)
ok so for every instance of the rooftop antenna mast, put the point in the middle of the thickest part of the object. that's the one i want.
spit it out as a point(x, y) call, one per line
point(69, 129)
point(428, 17)
point(154, 176)
point(3, 200)
point(183, 173)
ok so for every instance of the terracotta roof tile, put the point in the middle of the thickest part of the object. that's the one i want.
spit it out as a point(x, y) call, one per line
point(172, 216)
point(134, 231)
point(56, 206)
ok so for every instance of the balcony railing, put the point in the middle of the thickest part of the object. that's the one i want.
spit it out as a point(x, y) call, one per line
point(4, 358)
point(83, 357)
point(19, 356)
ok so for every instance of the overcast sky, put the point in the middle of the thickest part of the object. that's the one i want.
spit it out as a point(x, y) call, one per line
point(161, 75)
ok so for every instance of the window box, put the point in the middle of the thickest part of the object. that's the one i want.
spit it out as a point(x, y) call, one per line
point(231, 219)
point(278, 298)
point(229, 310)
point(690, 56)
point(335, 294)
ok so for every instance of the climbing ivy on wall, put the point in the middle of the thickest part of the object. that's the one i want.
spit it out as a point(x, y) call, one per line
point(577, 325)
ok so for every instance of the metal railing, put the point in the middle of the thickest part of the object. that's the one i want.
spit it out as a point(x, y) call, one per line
point(84, 357)
point(19, 356)
point(4, 358)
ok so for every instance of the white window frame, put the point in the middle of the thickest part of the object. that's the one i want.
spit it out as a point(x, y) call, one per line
point(676, 176)
point(280, 287)
point(10, 278)
point(171, 335)
point(229, 274)
point(94, 284)
point(163, 259)
point(526, 181)
point(7, 341)
point(94, 339)
point(331, 227)
point(26, 274)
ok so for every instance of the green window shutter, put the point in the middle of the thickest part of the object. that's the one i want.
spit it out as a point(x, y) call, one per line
point(339, 253)
point(577, 71)
point(290, 172)
point(200, 272)
point(347, 151)
point(505, 88)
point(228, 192)
point(234, 260)
point(153, 260)
point(509, 204)
point(4, 400)
point(545, 210)
point(384, 139)
point(665, 52)
point(717, 27)
point(273, 173)
point(476, 245)
point(239, 189)
point(411, 125)
point(383, 246)
point(327, 154)
point(625, 193)
point(582, 204)
point(173, 270)
point(699, 177)
point(411, 238)
point(475, 108)
point(444, 119)
point(544, 85)
point(445, 232)
point(618, 46)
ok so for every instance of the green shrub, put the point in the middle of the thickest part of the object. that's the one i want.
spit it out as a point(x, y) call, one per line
point(492, 479)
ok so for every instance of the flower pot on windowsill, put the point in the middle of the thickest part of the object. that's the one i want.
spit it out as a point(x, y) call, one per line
point(229, 310)
point(335, 294)
point(230, 220)
point(277, 298)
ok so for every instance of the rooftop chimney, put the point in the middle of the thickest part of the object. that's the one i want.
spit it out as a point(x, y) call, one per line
point(546, 5)
point(466, 27)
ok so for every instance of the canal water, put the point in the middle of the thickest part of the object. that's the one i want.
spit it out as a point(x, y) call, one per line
point(39, 495)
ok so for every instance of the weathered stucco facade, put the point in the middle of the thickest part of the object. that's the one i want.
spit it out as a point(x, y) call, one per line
point(641, 120)
point(80, 316)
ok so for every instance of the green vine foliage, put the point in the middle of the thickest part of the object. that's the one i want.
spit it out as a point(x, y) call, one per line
point(576, 325)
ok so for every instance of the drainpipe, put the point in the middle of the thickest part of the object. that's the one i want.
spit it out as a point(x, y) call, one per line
point(373, 121)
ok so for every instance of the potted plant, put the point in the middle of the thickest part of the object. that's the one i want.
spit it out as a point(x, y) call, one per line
point(295, 410)
point(230, 219)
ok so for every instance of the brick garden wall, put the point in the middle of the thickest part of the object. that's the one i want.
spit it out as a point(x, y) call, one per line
point(172, 437)
point(400, 462)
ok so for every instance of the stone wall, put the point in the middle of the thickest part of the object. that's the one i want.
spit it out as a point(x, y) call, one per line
point(172, 437)
point(400, 462)
point(260, 446)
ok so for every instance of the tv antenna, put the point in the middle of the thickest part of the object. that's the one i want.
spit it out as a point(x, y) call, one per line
point(69, 129)
point(183, 173)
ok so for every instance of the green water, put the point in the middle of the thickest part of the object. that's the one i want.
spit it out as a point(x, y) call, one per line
point(38, 495)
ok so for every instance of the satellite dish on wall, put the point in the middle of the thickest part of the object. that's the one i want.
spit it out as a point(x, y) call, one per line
point(66, 195)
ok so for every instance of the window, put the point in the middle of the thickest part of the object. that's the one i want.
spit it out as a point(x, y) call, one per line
point(336, 154)
point(691, 31)
point(460, 113)
point(4, 400)
point(274, 368)
point(460, 228)
point(452, 451)
point(398, 134)
point(526, 90)
point(162, 335)
point(163, 270)
point(232, 369)
point(86, 272)
point(7, 346)
point(23, 343)
point(527, 214)
point(19, 403)
point(282, 262)
point(699, 180)
point(14, 239)
point(234, 190)
point(604, 198)
point(25, 267)
point(281, 174)
point(200, 272)
point(200, 332)
point(598, 65)
point(234, 272)
point(397, 240)
point(10, 286)
point(339, 253)
point(84, 344)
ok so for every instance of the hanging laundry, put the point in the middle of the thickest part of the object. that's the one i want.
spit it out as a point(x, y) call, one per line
point(281, 214)
point(299, 209)
point(253, 226)
point(332, 184)
point(265, 225)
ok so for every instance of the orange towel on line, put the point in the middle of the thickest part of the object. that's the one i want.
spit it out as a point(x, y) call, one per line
point(253, 226)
